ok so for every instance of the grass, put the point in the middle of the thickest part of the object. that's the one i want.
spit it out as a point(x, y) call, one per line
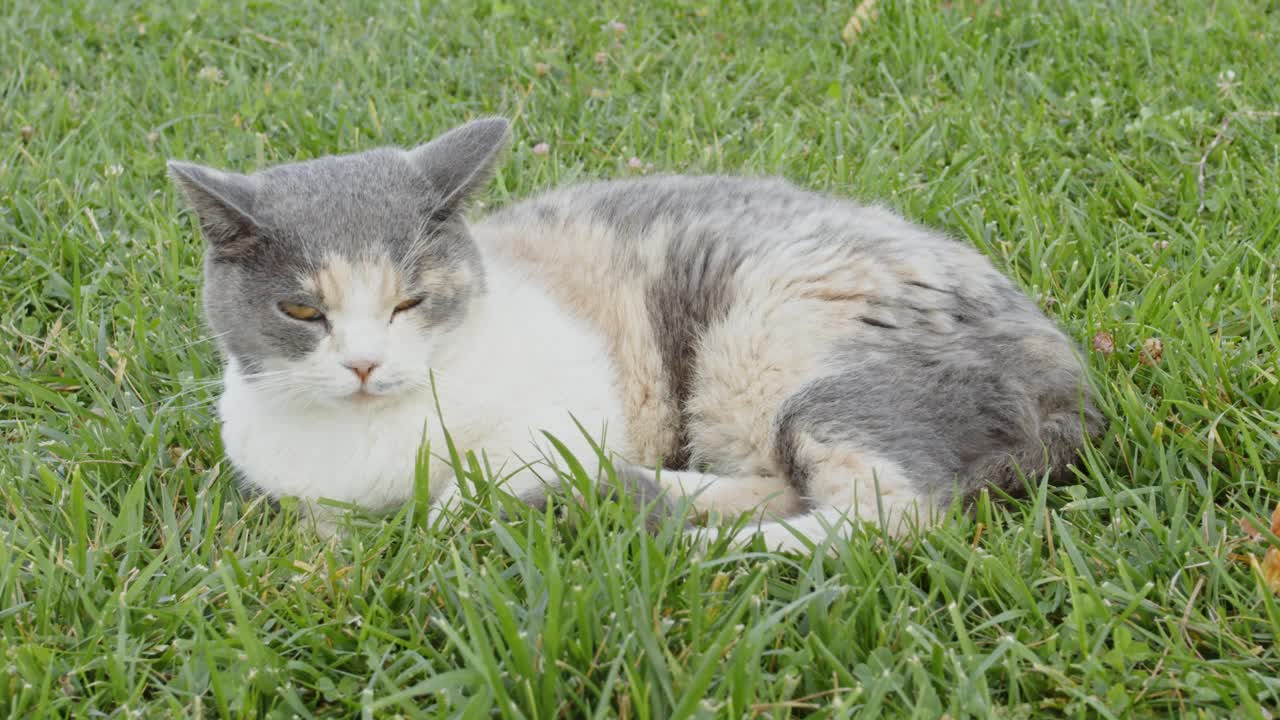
point(1120, 159)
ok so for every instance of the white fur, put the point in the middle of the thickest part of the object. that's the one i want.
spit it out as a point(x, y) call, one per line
point(516, 367)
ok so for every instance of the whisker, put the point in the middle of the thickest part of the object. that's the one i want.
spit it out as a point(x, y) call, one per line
point(189, 406)
point(197, 341)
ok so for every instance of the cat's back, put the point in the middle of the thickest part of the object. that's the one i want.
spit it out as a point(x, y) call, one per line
point(698, 244)
point(635, 205)
point(747, 212)
point(722, 297)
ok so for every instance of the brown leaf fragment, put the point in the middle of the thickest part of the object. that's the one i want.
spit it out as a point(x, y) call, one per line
point(1152, 351)
point(1269, 567)
point(1251, 532)
point(861, 19)
point(1103, 342)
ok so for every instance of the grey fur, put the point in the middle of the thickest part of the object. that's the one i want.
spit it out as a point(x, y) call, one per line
point(630, 484)
point(958, 418)
point(266, 232)
point(697, 281)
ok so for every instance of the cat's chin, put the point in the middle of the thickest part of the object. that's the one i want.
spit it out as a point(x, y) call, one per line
point(364, 398)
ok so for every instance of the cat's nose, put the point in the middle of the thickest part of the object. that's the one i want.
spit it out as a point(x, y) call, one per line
point(362, 368)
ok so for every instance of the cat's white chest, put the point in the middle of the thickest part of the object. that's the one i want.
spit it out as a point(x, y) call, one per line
point(516, 373)
point(362, 455)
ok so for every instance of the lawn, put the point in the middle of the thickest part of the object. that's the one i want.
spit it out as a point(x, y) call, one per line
point(1120, 159)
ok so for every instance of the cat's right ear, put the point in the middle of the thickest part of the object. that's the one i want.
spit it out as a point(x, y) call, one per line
point(459, 162)
point(223, 201)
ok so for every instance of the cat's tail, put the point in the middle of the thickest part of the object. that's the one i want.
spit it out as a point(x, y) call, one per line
point(1056, 447)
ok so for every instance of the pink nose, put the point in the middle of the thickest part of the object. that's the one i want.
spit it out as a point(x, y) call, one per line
point(362, 368)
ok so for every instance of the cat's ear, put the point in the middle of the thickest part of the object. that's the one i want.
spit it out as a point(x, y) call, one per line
point(223, 201)
point(460, 162)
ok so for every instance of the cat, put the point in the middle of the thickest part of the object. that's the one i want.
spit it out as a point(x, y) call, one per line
point(741, 342)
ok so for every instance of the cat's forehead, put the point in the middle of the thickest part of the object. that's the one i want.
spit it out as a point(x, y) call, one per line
point(345, 201)
point(365, 175)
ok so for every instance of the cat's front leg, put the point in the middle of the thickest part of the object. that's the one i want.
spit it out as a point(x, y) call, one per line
point(446, 504)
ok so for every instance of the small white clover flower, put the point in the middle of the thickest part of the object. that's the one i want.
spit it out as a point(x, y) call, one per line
point(210, 73)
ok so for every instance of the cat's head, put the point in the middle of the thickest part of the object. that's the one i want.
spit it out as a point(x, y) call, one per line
point(337, 279)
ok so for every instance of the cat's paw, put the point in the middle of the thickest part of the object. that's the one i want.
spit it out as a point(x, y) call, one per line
point(323, 520)
point(441, 511)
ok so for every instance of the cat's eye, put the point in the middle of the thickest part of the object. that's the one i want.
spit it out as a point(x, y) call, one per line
point(407, 305)
point(301, 312)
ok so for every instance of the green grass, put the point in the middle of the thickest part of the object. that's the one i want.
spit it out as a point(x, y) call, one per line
point(1064, 139)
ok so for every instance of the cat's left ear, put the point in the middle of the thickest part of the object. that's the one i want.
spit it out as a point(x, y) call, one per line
point(460, 162)
point(223, 201)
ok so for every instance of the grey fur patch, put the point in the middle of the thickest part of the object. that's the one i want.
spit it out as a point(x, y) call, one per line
point(957, 415)
point(694, 291)
point(634, 486)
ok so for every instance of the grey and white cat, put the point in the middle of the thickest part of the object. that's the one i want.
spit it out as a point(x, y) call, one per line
point(776, 351)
